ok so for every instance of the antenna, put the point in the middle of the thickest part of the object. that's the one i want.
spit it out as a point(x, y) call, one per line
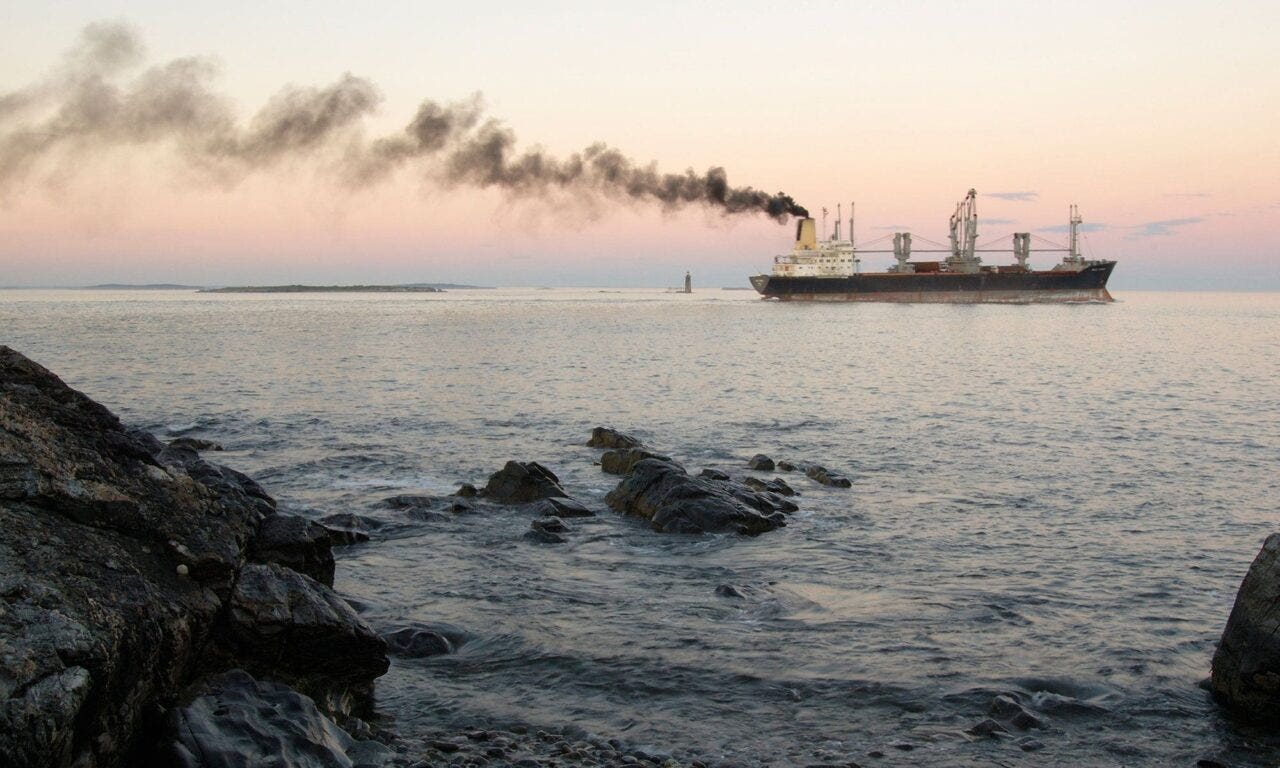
point(824, 222)
point(851, 241)
point(838, 215)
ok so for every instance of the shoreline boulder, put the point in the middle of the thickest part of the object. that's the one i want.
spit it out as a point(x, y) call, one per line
point(1246, 665)
point(122, 571)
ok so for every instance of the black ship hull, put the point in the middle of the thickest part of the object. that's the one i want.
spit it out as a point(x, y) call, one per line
point(1086, 285)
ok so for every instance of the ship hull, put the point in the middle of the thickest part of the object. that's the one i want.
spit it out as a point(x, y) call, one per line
point(1087, 285)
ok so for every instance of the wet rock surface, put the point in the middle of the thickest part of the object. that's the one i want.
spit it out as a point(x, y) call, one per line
point(520, 482)
point(194, 444)
point(776, 485)
point(561, 507)
point(606, 437)
point(761, 463)
point(620, 462)
point(235, 721)
point(423, 641)
point(825, 476)
point(675, 502)
point(295, 542)
point(285, 622)
point(1246, 665)
point(548, 530)
point(117, 591)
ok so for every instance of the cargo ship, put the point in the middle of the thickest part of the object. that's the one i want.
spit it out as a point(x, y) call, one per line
point(828, 270)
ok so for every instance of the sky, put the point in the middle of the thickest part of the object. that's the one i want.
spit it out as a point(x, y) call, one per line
point(1157, 118)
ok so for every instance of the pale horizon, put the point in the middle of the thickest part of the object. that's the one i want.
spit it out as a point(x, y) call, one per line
point(1156, 123)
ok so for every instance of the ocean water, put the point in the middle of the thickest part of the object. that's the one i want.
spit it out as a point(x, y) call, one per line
point(1051, 502)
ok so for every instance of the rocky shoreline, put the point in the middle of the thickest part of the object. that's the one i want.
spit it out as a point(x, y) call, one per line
point(158, 609)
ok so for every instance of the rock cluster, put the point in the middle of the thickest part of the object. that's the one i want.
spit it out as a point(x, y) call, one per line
point(673, 501)
point(126, 575)
point(1246, 665)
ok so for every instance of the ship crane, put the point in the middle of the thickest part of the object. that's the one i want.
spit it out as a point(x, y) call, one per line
point(964, 235)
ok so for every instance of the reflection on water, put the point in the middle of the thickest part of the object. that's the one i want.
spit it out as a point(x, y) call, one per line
point(1051, 502)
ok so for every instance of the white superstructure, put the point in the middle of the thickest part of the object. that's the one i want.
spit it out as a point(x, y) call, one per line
point(812, 257)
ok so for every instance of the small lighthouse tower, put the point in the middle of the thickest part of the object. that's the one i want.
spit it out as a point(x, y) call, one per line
point(688, 283)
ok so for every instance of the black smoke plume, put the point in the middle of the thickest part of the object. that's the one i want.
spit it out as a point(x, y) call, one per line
point(83, 108)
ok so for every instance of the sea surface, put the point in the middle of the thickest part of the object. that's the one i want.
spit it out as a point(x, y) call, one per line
point(1052, 502)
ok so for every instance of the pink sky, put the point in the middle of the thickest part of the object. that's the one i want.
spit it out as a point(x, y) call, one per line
point(1159, 125)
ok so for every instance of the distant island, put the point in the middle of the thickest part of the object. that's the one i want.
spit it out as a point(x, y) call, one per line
point(141, 287)
point(407, 288)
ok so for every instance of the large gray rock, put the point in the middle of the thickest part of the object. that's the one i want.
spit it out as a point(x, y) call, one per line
point(235, 721)
point(95, 619)
point(519, 482)
point(674, 502)
point(295, 542)
point(1246, 666)
point(288, 624)
point(117, 568)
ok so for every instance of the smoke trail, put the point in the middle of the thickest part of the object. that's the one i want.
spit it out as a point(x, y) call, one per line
point(82, 109)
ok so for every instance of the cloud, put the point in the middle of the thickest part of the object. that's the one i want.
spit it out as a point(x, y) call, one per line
point(1016, 197)
point(1187, 194)
point(1164, 228)
point(1090, 226)
point(998, 222)
point(893, 227)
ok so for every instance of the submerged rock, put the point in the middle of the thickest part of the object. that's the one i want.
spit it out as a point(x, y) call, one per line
point(346, 528)
point(548, 530)
point(1009, 710)
point(418, 643)
point(194, 444)
point(673, 502)
point(604, 437)
point(520, 482)
point(429, 508)
point(715, 474)
point(1246, 665)
point(827, 477)
point(761, 462)
point(553, 524)
point(776, 485)
point(561, 507)
point(295, 542)
point(786, 466)
point(235, 721)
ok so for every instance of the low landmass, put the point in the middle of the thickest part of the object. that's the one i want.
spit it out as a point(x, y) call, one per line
point(405, 288)
point(142, 287)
